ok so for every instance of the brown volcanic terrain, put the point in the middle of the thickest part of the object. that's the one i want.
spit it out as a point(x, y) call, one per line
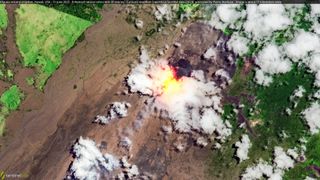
point(91, 76)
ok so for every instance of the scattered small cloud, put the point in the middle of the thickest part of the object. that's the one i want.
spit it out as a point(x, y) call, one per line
point(116, 110)
point(243, 147)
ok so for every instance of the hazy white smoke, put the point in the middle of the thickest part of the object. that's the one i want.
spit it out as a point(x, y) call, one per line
point(89, 162)
point(192, 103)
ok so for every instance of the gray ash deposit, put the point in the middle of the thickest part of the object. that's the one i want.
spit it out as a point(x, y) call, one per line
point(195, 42)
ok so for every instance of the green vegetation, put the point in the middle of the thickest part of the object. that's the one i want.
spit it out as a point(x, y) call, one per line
point(185, 8)
point(191, 9)
point(43, 35)
point(11, 98)
point(283, 36)
point(3, 17)
point(10, 101)
point(270, 113)
point(301, 170)
point(30, 81)
point(228, 31)
point(5, 73)
point(301, 20)
point(89, 12)
point(275, 98)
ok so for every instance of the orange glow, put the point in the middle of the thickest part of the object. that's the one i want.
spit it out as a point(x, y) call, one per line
point(170, 83)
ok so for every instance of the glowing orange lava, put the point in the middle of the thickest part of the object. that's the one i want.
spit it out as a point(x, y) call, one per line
point(171, 84)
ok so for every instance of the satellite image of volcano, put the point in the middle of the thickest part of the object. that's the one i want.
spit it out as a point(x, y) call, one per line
point(160, 91)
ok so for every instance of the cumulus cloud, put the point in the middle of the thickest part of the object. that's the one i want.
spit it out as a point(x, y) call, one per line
point(312, 116)
point(275, 171)
point(309, 178)
point(192, 103)
point(293, 153)
point(317, 94)
point(89, 162)
point(226, 15)
point(238, 44)
point(139, 23)
point(129, 171)
point(281, 159)
point(263, 19)
point(262, 78)
point(262, 169)
point(257, 24)
point(243, 147)
point(163, 11)
point(301, 45)
point(229, 13)
point(201, 141)
point(271, 61)
point(211, 52)
point(298, 93)
point(116, 110)
point(313, 63)
point(257, 171)
point(224, 75)
point(315, 10)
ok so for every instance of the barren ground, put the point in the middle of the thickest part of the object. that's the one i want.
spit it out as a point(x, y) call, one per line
point(42, 132)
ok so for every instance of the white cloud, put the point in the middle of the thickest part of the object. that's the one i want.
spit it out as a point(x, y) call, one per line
point(223, 74)
point(276, 175)
point(275, 171)
point(128, 170)
point(293, 153)
point(211, 52)
point(226, 15)
point(201, 141)
point(281, 159)
point(263, 19)
point(309, 178)
point(89, 162)
point(163, 11)
point(261, 78)
point(316, 27)
point(298, 92)
point(312, 116)
point(257, 171)
point(192, 103)
point(317, 94)
point(139, 23)
point(271, 61)
point(116, 110)
point(315, 10)
point(296, 95)
point(313, 62)
point(243, 147)
point(238, 44)
point(302, 44)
